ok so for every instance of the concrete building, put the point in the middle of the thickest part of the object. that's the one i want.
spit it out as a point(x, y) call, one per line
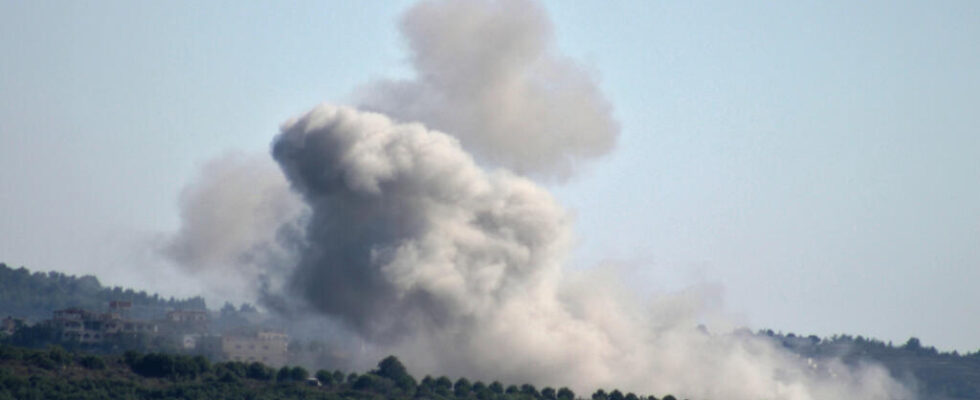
point(188, 316)
point(89, 327)
point(267, 347)
point(181, 322)
point(120, 306)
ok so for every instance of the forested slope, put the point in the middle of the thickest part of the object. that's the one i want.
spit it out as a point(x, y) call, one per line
point(935, 375)
point(34, 296)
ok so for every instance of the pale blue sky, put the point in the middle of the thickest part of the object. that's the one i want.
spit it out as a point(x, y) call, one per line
point(818, 160)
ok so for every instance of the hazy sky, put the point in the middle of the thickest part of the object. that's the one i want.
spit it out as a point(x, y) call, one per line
point(818, 161)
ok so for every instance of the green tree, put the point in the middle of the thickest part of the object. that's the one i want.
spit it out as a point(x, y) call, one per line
point(391, 368)
point(39, 359)
point(462, 388)
point(443, 386)
point(530, 390)
point(325, 377)
point(374, 383)
point(185, 367)
point(426, 387)
point(237, 368)
point(59, 355)
point(155, 365)
point(298, 374)
point(202, 363)
point(284, 374)
point(259, 372)
point(92, 362)
point(482, 391)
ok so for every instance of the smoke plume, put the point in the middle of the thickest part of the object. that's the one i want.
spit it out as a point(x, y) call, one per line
point(458, 270)
point(405, 228)
point(488, 72)
point(401, 233)
point(237, 220)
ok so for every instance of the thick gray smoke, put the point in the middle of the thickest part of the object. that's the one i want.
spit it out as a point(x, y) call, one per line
point(488, 72)
point(395, 230)
point(458, 270)
point(406, 229)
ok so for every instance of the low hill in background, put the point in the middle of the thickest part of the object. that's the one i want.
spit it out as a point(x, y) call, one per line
point(34, 296)
point(936, 375)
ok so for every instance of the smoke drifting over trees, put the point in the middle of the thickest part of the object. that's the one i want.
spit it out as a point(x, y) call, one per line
point(404, 234)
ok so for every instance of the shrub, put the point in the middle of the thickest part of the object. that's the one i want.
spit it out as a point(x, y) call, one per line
point(42, 360)
point(374, 383)
point(259, 372)
point(298, 374)
point(325, 377)
point(283, 375)
point(92, 362)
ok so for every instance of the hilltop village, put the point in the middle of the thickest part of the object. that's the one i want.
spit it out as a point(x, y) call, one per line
point(186, 331)
point(39, 309)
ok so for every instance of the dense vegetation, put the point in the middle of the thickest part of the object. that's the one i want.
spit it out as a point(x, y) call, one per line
point(936, 375)
point(35, 295)
point(58, 374)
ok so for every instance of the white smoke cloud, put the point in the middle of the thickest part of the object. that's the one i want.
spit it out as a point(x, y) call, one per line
point(236, 219)
point(488, 73)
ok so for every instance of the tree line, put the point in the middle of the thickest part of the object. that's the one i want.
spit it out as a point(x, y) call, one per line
point(34, 295)
point(56, 373)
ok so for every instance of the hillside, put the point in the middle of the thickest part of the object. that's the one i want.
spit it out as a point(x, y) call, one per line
point(936, 375)
point(33, 296)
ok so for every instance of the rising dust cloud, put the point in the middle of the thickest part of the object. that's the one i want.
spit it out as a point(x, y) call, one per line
point(412, 221)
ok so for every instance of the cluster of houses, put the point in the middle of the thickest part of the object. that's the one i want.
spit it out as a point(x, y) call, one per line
point(190, 329)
